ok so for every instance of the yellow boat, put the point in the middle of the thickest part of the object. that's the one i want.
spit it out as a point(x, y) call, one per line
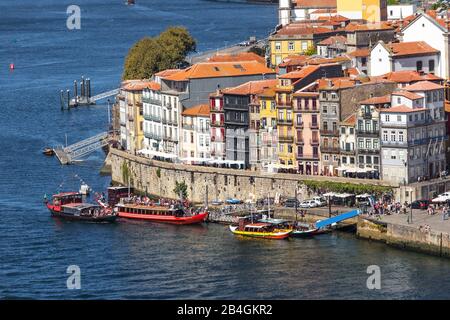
point(261, 230)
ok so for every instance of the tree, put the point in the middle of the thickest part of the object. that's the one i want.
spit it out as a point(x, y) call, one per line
point(151, 55)
point(310, 51)
point(181, 189)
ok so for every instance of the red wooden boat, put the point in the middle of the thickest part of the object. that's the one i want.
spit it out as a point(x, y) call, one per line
point(70, 206)
point(160, 214)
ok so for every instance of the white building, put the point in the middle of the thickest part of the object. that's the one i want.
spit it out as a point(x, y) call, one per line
point(413, 134)
point(400, 11)
point(153, 128)
point(347, 143)
point(196, 141)
point(425, 28)
point(298, 10)
point(403, 56)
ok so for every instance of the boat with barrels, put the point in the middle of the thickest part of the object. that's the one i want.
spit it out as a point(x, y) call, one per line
point(70, 206)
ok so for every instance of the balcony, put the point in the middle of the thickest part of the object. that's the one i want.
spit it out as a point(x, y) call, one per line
point(308, 156)
point(153, 118)
point(217, 124)
point(153, 136)
point(284, 122)
point(314, 142)
point(368, 133)
point(330, 149)
point(286, 138)
point(400, 144)
point(299, 125)
point(368, 151)
point(217, 139)
point(329, 132)
point(348, 151)
point(314, 126)
point(300, 141)
point(151, 101)
point(284, 104)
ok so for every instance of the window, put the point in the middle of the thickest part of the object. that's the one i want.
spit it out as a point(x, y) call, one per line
point(419, 66)
point(277, 46)
point(387, 118)
point(352, 130)
point(399, 118)
point(431, 66)
point(291, 46)
point(343, 130)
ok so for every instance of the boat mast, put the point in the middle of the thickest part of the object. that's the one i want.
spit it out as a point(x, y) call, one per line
point(129, 193)
point(268, 205)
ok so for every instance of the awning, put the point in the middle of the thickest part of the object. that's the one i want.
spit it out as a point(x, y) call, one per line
point(194, 159)
point(154, 153)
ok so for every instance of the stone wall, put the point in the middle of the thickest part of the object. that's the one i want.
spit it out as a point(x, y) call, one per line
point(405, 237)
point(159, 178)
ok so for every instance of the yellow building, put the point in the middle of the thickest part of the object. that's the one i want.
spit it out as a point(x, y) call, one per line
point(370, 10)
point(295, 39)
point(285, 125)
point(134, 119)
point(268, 131)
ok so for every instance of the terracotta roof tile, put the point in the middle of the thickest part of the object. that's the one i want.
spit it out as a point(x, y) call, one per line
point(300, 74)
point(349, 121)
point(202, 110)
point(378, 100)
point(355, 27)
point(411, 48)
point(319, 4)
point(402, 109)
point(137, 85)
point(252, 87)
point(359, 53)
point(243, 56)
point(407, 94)
point(423, 86)
point(219, 69)
point(333, 40)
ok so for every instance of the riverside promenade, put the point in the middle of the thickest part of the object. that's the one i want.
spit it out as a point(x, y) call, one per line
point(426, 233)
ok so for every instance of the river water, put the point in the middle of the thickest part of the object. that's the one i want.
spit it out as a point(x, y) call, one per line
point(139, 259)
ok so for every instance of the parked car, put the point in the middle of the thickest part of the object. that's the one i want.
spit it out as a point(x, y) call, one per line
point(216, 202)
point(321, 201)
point(233, 201)
point(291, 203)
point(308, 204)
point(420, 204)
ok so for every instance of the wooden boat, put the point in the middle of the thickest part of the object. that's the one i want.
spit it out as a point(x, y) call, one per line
point(261, 230)
point(70, 206)
point(305, 230)
point(172, 215)
point(48, 151)
point(130, 2)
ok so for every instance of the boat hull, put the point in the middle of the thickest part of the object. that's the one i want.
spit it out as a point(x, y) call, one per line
point(55, 211)
point(262, 235)
point(199, 218)
point(308, 233)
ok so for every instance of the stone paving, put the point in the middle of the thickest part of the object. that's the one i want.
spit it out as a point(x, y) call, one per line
point(420, 218)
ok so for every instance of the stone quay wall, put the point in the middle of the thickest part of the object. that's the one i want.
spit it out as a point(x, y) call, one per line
point(159, 178)
point(405, 237)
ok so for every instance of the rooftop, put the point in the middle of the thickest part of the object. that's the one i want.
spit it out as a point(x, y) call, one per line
point(349, 121)
point(407, 94)
point(377, 100)
point(356, 27)
point(252, 87)
point(423, 86)
point(197, 111)
point(236, 57)
point(312, 4)
point(300, 74)
point(402, 109)
point(219, 69)
point(403, 49)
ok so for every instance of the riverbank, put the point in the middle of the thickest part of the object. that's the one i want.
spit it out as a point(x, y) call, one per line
point(426, 234)
point(159, 178)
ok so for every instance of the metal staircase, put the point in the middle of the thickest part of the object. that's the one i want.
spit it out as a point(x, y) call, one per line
point(82, 148)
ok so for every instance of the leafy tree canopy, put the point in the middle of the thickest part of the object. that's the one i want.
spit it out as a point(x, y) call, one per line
point(151, 55)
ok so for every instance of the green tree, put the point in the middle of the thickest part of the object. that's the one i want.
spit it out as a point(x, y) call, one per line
point(151, 55)
point(310, 51)
point(181, 189)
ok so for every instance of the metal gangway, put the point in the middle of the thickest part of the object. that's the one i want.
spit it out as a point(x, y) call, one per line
point(104, 95)
point(82, 148)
